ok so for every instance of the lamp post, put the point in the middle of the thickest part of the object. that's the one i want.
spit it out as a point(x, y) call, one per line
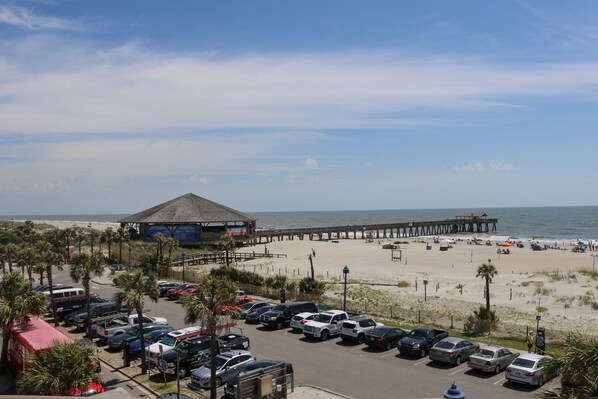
point(183, 256)
point(345, 273)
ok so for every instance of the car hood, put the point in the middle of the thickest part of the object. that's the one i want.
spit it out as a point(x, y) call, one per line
point(313, 323)
point(203, 372)
point(170, 357)
point(120, 338)
point(271, 313)
point(412, 340)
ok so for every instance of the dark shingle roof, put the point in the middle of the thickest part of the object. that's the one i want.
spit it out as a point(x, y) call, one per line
point(188, 208)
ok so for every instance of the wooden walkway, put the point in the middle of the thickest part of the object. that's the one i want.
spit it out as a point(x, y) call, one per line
point(205, 258)
point(377, 231)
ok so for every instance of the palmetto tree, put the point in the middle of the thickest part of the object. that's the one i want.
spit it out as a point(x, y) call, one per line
point(10, 252)
point(133, 288)
point(108, 237)
point(578, 367)
point(50, 259)
point(487, 271)
point(93, 238)
point(79, 235)
point(228, 243)
point(212, 293)
point(27, 258)
point(171, 244)
point(158, 238)
point(121, 236)
point(17, 302)
point(82, 268)
point(59, 370)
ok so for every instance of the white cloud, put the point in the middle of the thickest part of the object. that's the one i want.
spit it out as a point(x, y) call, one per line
point(311, 163)
point(26, 18)
point(195, 179)
point(497, 166)
point(475, 167)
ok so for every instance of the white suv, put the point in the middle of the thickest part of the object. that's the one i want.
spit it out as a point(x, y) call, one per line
point(325, 324)
point(356, 328)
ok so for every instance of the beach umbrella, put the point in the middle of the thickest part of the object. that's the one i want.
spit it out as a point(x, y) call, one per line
point(505, 244)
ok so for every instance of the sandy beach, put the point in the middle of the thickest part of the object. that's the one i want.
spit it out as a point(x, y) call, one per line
point(552, 278)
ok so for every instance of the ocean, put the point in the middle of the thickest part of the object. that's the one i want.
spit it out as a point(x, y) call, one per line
point(548, 223)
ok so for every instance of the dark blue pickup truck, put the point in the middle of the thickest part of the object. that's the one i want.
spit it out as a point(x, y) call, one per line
point(420, 340)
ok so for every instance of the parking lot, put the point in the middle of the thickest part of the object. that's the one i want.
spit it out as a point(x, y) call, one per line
point(354, 370)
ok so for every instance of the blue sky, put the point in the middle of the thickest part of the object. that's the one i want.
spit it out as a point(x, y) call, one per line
point(115, 106)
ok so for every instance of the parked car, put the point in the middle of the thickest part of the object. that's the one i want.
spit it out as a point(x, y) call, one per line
point(254, 317)
point(453, 350)
point(384, 337)
point(98, 310)
point(325, 324)
point(165, 286)
point(228, 365)
point(174, 293)
point(121, 324)
point(249, 307)
point(64, 306)
point(132, 333)
point(233, 341)
point(239, 302)
point(231, 385)
point(528, 368)
point(420, 340)
point(299, 320)
point(492, 358)
point(192, 353)
point(354, 330)
point(282, 314)
point(154, 336)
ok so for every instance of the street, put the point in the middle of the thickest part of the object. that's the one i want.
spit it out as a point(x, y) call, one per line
point(352, 370)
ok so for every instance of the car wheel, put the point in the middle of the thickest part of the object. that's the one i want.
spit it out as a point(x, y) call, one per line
point(422, 353)
point(458, 360)
point(541, 381)
point(182, 372)
point(361, 338)
point(218, 382)
point(325, 335)
point(497, 369)
point(279, 325)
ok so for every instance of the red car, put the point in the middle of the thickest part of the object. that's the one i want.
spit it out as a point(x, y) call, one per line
point(240, 301)
point(175, 293)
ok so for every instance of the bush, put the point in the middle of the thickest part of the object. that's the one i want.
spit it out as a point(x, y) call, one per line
point(404, 284)
point(480, 321)
point(239, 276)
point(309, 286)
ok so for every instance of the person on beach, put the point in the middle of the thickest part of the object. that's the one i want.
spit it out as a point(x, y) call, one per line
point(530, 341)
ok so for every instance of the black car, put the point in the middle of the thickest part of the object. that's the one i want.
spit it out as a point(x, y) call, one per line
point(384, 337)
point(233, 341)
point(69, 318)
point(192, 353)
point(254, 317)
point(231, 385)
point(165, 286)
point(282, 314)
point(69, 304)
point(96, 311)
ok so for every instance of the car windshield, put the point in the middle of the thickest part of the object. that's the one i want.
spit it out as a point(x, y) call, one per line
point(279, 308)
point(168, 340)
point(221, 361)
point(525, 363)
point(247, 306)
point(418, 333)
point(323, 318)
point(445, 345)
point(263, 310)
point(485, 353)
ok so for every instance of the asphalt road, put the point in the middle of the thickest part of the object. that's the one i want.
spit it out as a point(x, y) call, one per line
point(352, 370)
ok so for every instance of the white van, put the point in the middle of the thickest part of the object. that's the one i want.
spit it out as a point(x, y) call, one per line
point(65, 293)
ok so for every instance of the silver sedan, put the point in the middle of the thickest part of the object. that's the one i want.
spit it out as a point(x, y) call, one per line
point(453, 350)
point(527, 369)
point(492, 358)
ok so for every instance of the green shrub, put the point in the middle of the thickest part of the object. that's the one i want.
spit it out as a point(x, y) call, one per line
point(404, 284)
point(309, 286)
point(480, 321)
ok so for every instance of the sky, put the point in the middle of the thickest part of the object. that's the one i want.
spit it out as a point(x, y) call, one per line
point(114, 106)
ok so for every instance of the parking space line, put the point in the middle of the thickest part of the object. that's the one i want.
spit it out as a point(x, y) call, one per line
point(421, 362)
point(388, 354)
point(460, 370)
point(499, 381)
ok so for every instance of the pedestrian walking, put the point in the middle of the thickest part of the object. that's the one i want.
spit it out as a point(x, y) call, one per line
point(530, 341)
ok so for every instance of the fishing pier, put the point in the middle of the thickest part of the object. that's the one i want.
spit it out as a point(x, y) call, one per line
point(471, 223)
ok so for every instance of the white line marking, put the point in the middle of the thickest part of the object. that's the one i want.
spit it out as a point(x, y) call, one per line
point(460, 370)
point(391, 353)
point(499, 381)
point(421, 362)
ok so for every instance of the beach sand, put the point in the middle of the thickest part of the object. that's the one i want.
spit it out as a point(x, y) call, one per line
point(526, 279)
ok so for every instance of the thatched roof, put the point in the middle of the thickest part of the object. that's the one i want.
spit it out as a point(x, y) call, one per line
point(188, 208)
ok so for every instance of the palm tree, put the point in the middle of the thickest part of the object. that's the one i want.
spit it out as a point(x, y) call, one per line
point(133, 287)
point(3, 257)
point(121, 236)
point(228, 243)
point(59, 370)
point(82, 267)
point(10, 252)
point(171, 244)
point(487, 271)
point(79, 236)
point(27, 259)
point(578, 367)
point(212, 293)
point(108, 237)
point(158, 238)
point(93, 237)
point(50, 259)
point(67, 235)
point(17, 302)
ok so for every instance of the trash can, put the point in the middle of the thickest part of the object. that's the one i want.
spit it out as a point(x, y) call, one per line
point(428, 247)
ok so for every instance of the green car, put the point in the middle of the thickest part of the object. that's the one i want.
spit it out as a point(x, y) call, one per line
point(132, 333)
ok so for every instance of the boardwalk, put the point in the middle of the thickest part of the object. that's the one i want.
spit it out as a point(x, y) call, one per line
point(205, 258)
point(458, 225)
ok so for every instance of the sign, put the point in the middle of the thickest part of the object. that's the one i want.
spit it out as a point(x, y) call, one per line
point(538, 317)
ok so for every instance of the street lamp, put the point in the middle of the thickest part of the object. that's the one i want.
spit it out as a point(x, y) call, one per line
point(345, 273)
point(183, 256)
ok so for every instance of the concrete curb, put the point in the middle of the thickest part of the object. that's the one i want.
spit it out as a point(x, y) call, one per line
point(129, 378)
point(340, 395)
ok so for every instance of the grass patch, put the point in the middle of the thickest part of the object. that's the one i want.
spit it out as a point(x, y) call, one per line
point(526, 283)
point(541, 309)
point(403, 284)
point(544, 291)
point(589, 273)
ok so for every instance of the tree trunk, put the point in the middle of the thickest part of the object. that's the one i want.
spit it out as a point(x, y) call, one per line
point(50, 282)
point(311, 263)
point(5, 338)
point(487, 294)
point(87, 305)
point(109, 251)
point(142, 347)
point(213, 351)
